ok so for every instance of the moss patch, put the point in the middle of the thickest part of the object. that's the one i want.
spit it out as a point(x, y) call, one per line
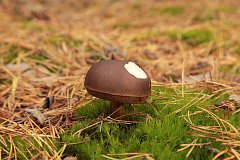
point(159, 130)
point(194, 36)
point(171, 10)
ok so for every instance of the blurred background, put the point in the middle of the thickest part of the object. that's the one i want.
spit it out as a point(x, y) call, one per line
point(162, 36)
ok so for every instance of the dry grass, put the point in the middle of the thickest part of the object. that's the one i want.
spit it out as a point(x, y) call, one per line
point(47, 47)
point(224, 133)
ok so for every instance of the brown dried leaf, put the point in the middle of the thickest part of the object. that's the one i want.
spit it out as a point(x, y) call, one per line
point(113, 52)
point(21, 67)
point(150, 55)
point(36, 113)
point(6, 114)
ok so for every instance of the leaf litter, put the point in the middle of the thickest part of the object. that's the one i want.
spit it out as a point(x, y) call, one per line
point(69, 48)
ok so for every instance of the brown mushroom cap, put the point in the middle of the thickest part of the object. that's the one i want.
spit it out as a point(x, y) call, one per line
point(108, 79)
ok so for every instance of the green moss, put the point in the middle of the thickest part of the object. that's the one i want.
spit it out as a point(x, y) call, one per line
point(95, 56)
point(174, 10)
point(122, 26)
point(193, 37)
point(136, 6)
point(5, 81)
point(230, 69)
point(171, 10)
point(158, 131)
point(213, 14)
point(39, 56)
point(11, 54)
point(237, 50)
point(96, 108)
point(227, 9)
point(153, 34)
point(30, 25)
point(59, 39)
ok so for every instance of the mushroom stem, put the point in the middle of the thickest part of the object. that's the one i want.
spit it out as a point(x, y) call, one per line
point(117, 109)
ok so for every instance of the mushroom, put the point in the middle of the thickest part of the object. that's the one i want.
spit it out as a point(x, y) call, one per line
point(119, 81)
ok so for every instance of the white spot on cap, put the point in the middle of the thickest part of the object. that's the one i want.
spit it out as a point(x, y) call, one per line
point(135, 70)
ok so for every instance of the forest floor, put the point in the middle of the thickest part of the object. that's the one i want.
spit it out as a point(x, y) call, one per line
point(190, 50)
